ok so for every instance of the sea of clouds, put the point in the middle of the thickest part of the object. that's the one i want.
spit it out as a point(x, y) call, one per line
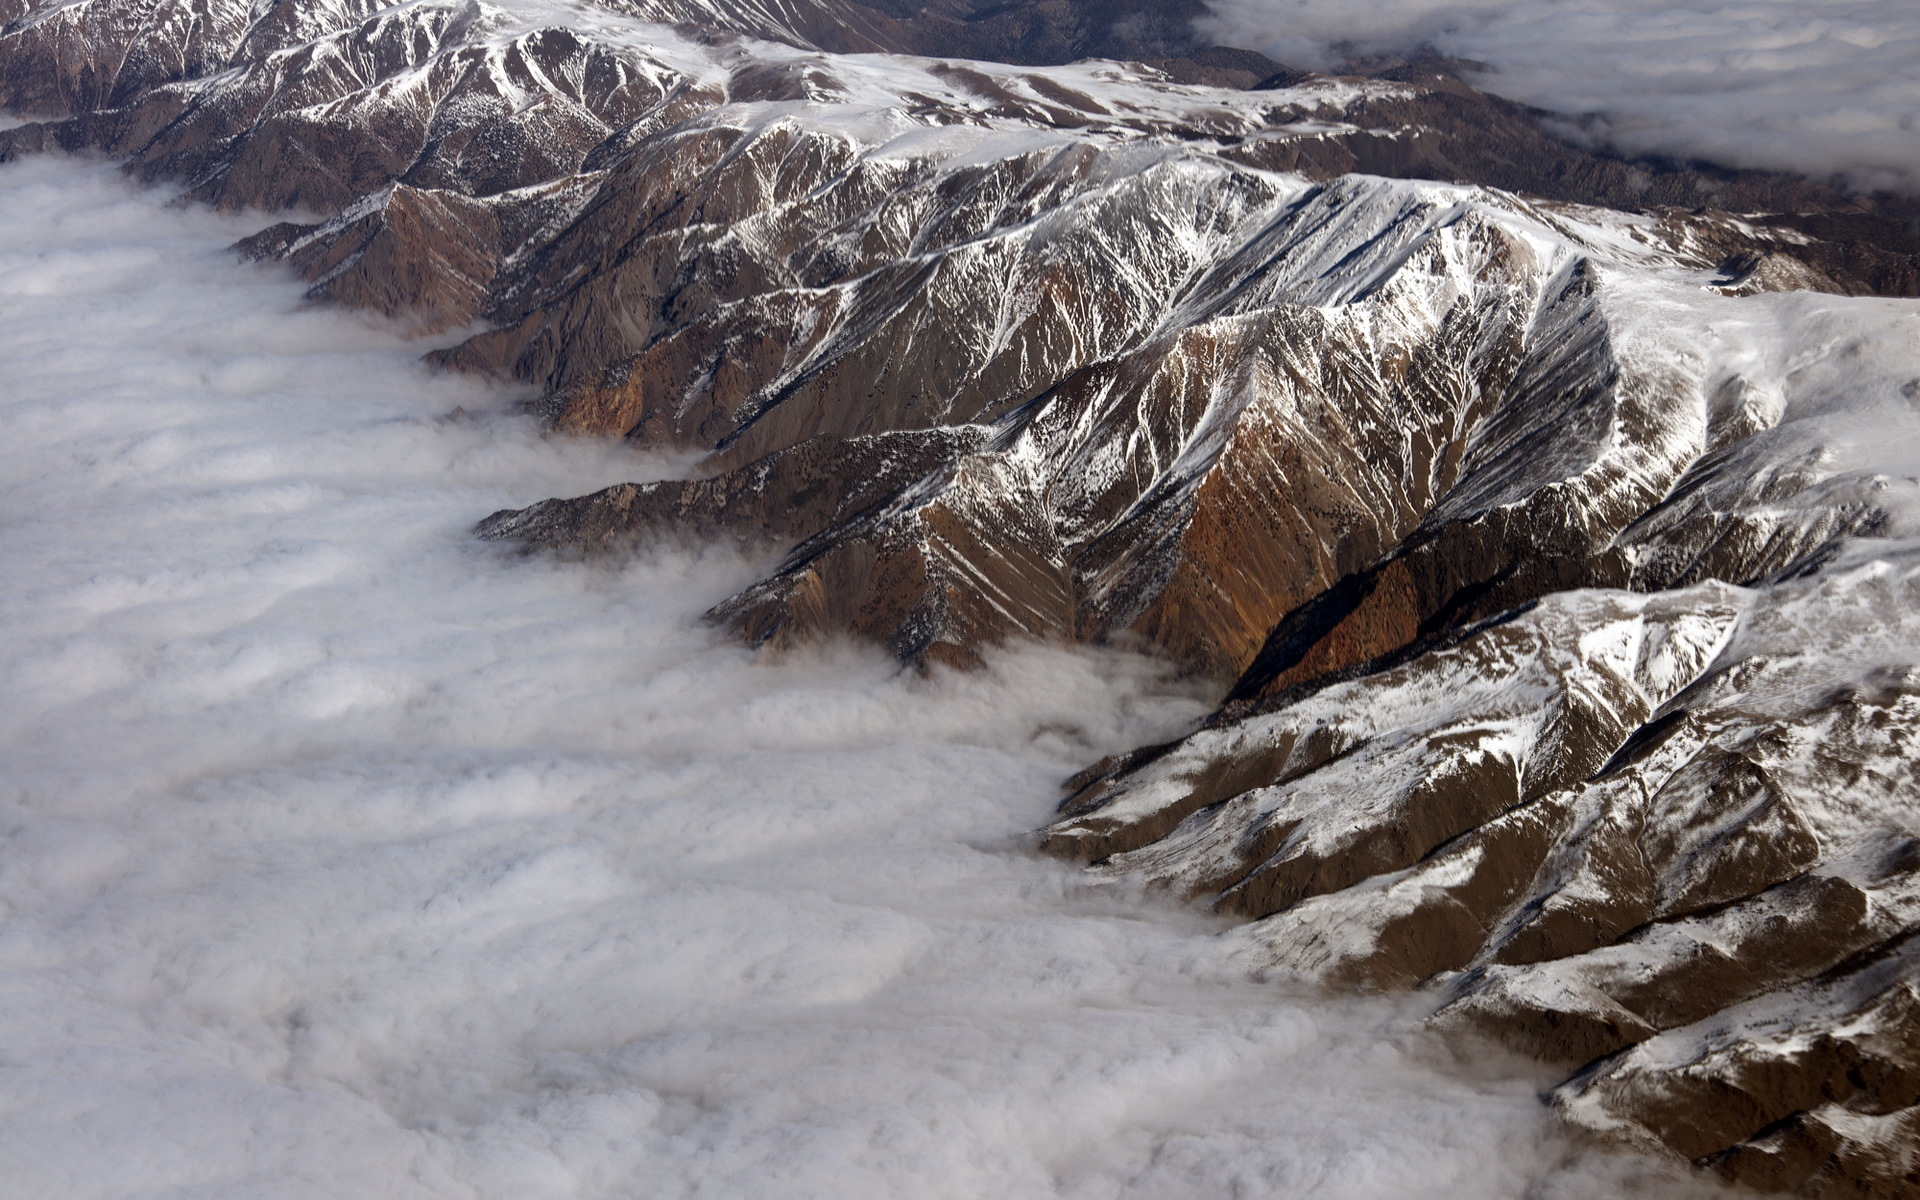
point(346, 857)
point(1816, 86)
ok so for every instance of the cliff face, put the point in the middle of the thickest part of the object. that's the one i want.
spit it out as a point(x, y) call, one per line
point(1536, 515)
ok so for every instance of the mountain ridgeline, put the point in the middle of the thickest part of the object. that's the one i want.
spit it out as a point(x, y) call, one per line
point(1502, 487)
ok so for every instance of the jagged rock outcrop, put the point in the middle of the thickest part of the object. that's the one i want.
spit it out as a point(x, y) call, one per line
point(1668, 839)
point(1663, 836)
point(1487, 475)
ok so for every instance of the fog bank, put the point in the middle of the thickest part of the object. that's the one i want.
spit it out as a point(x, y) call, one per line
point(348, 857)
point(1814, 86)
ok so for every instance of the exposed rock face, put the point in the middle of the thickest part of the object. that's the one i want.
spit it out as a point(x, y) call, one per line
point(1666, 838)
point(1563, 629)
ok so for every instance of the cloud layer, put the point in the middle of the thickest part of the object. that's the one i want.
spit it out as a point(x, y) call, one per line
point(1816, 86)
point(347, 857)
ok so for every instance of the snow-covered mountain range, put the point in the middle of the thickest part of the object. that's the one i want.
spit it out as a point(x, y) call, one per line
point(1543, 519)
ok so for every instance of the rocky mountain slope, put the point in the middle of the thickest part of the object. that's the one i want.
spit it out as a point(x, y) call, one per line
point(1542, 517)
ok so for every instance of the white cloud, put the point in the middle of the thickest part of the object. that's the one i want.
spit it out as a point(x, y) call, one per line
point(1818, 86)
point(347, 857)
